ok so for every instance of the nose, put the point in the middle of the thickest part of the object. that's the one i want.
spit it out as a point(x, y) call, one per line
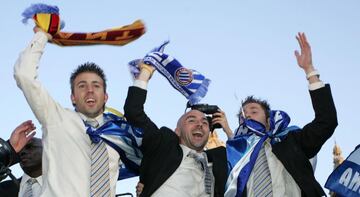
point(199, 124)
point(90, 89)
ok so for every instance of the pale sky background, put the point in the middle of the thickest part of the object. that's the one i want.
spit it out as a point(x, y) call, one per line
point(246, 47)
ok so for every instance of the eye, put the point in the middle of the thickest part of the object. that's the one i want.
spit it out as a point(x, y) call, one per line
point(191, 120)
point(81, 86)
point(205, 122)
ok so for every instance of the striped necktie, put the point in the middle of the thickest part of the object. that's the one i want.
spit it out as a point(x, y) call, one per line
point(262, 179)
point(99, 178)
point(28, 187)
point(200, 158)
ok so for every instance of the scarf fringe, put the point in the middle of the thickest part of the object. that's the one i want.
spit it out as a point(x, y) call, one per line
point(38, 8)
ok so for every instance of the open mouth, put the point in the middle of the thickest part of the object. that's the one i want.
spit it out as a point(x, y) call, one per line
point(90, 101)
point(198, 134)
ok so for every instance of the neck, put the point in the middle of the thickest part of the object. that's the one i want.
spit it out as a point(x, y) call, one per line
point(35, 173)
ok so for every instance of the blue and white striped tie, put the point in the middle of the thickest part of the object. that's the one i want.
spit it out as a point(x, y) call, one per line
point(99, 179)
point(262, 179)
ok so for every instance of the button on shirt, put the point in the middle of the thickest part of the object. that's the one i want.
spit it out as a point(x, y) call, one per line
point(187, 180)
point(66, 146)
point(36, 186)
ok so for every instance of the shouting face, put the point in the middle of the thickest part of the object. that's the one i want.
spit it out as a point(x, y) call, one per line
point(193, 130)
point(89, 96)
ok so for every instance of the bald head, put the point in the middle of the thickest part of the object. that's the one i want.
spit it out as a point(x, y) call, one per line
point(193, 130)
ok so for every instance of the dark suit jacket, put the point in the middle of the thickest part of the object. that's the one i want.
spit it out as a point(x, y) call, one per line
point(9, 188)
point(294, 152)
point(162, 153)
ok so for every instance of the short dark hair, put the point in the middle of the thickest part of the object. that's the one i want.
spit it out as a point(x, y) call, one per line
point(87, 67)
point(263, 103)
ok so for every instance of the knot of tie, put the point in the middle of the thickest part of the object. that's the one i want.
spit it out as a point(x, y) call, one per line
point(31, 181)
point(92, 124)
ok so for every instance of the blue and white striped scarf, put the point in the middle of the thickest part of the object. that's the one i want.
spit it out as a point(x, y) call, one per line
point(243, 149)
point(124, 138)
point(188, 82)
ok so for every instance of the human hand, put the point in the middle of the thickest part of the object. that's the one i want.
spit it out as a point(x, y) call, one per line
point(139, 189)
point(220, 118)
point(38, 29)
point(21, 135)
point(304, 57)
point(146, 72)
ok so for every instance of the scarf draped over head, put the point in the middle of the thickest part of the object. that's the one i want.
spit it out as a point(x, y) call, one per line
point(192, 84)
point(243, 149)
point(47, 18)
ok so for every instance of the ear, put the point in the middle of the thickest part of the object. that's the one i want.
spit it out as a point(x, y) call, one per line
point(72, 97)
point(267, 124)
point(177, 131)
point(105, 97)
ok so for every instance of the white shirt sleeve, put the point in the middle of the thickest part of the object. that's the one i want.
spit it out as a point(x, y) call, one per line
point(25, 74)
point(140, 84)
point(316, 85)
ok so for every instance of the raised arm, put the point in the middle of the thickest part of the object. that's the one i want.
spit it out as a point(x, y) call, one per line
point(134, 104)
point(19, 138)
point(26, 76)
point(315, 133)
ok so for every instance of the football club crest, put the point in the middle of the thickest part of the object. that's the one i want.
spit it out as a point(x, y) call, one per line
point(183, 76)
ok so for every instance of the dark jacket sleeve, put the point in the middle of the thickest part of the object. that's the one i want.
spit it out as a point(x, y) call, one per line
point(315, 133)
point(136, 116)
point(160, 147)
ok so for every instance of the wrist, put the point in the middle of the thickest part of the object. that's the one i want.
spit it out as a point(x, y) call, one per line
point(312, 73)
point(147, 68)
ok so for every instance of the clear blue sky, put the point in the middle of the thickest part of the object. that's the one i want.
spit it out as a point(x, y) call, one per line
point(244, 47)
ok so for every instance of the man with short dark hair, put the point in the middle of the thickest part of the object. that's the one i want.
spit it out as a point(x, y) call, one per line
point(268, 158)
point(77, 160)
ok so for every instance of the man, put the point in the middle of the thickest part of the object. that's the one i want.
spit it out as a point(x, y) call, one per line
point(168, 166)
point(76, 160)
point(9, 154)
point(30, 163)
point(271, 161)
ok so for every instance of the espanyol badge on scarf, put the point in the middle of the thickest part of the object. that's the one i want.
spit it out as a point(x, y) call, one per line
point(188, 82)
point(345, 179)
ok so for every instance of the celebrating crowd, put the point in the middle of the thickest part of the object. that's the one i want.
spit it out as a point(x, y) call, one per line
point(264, 156)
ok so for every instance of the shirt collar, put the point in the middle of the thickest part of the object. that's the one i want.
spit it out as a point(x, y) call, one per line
point(186, 150)
point(99, 118)
point(26, 177)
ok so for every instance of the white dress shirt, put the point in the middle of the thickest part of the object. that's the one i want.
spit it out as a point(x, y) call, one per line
point(36, 187)
point(66, 159)
point(186, 181)
point(282, 182)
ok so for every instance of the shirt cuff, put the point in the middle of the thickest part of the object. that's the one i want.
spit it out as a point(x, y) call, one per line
point(316, 85)
point(140, 84)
